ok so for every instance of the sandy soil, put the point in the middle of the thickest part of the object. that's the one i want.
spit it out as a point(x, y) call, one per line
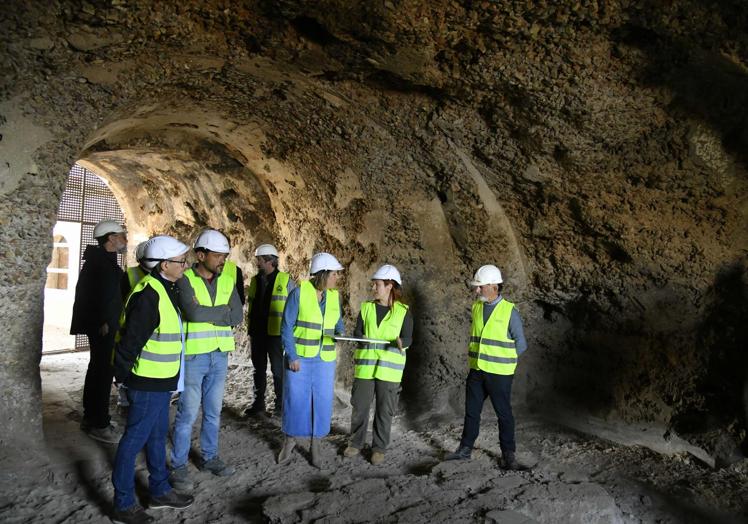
point(573, 478)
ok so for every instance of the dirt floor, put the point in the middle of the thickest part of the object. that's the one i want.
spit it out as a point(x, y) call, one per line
point(573, 478)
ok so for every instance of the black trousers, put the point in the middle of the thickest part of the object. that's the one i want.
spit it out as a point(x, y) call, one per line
point(362, 394)
point(264, 347)
point(498, 388)
point(98, 385)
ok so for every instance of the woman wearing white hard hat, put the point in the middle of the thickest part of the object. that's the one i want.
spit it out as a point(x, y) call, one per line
point(379, 366)
point(313, 314)
point(148, 359)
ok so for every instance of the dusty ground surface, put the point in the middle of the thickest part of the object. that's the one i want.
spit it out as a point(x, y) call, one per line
point(574, 478)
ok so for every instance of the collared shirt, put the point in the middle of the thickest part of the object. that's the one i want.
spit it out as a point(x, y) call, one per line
point(515, 331)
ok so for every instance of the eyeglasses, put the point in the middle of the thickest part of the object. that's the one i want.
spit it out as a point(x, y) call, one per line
point(180, 262)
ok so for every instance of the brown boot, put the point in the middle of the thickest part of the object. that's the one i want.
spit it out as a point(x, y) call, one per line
point(316, 453)
point(377, 458)
point(350, 451)
point(285, 453)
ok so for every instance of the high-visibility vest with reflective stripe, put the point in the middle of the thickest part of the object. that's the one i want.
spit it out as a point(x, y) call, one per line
point(491, 349)
point(204, 337)
point(161, 355)
point(381, 361)
point(277, 301)
point(134, 275)
point(312, 333)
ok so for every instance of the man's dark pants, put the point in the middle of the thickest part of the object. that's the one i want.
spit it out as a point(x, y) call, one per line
point(98, 385)
point(264, 347)
point(498, 388)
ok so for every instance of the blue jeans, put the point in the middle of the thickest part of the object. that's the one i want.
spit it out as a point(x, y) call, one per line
point(147, 426)
point(479, 386)
point(204, 380)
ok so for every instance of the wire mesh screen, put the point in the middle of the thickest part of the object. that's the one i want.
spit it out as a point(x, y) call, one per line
point(88, 200)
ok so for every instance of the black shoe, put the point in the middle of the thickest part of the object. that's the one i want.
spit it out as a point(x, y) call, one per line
point(218, 467)
point(509, 462)
point(256, 410)
point(133, 515)
point(171, 499)
point(462, 453)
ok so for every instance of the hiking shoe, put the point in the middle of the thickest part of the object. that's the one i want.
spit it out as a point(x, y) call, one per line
point(285, 453)
point(218, 467)
point(171, 499)
point(462, 453)
point(107, 434)
point(132, 515)
point(377, 458)
point(180, 480)
point(350, 451)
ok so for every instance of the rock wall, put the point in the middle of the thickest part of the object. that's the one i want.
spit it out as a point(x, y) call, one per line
point(595, 151)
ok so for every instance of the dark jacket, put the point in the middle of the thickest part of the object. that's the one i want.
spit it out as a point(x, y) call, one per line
point(141, 319)
point(98, 299)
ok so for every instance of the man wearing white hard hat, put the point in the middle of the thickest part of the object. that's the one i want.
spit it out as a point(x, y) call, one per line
point(96, 310)
point(496, 342)
point(266, 299)
point(211, 300)
point(148, 360)
point(313, 314)
point(379, 367)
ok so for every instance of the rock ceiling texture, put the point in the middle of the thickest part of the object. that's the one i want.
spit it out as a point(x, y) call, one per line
point(596, 151)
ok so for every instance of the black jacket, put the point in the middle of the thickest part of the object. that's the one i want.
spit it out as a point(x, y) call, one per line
point(98, 300)
point(141, 319)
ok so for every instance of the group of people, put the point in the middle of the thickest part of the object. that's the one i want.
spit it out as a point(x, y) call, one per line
point(161, 327)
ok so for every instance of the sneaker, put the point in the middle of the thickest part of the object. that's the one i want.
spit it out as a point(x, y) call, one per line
point(180, 480)
point(350, 451)
point(217, 467)
point(133, 515)
point(377, 458)
point(107, 434)
point(462, 453)
point(171, 499)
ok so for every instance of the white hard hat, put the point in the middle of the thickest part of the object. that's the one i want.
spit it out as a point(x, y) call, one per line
point(488, 274)
point(213, 240)
point(163, 248)
point(324, 262)
point(140, 251)
point(107, 226)
point(266, 249)
point(388, 272)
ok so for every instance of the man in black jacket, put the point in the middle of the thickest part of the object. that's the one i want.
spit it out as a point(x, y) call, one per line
point(98, 303)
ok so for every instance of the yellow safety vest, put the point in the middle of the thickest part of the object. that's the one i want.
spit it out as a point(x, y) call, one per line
point(134, 275)
point(381, 361)
point(311, 332)
point(161, 355)
point(277, 301)
point(491, 349)
point(204, 337)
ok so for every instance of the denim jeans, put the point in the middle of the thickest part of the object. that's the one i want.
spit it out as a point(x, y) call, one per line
point(498, 388)
point(147, 426)
point(204, 381)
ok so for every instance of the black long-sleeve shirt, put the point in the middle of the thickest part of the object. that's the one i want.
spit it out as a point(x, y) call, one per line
point(141, 320)
point(406, 332)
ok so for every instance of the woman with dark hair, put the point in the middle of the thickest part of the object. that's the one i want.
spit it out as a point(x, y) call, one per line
point(379, 366)
point(313, 315)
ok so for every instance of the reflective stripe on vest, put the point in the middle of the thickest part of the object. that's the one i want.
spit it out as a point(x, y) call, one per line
point(491, 349)
point(313, 334)
point(134, 275)
point(277, 301)
point(161, 355)
point(204, 337)
point(381, 361)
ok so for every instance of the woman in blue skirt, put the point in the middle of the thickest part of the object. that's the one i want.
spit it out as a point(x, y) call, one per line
point(313, 314)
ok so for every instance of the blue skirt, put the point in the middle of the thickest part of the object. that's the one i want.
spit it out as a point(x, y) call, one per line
point(308, 398)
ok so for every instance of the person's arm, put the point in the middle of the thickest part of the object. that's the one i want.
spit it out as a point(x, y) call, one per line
point(240, 286)
point(406, 332)
point(516, 332)
point(124, 286)
point(290, 314)
point(142, 318)
point(358, 332)
point(340, 326)
point(194, 312)
point(236, 308)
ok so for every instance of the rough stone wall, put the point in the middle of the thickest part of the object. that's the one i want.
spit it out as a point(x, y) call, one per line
point(595, 151)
